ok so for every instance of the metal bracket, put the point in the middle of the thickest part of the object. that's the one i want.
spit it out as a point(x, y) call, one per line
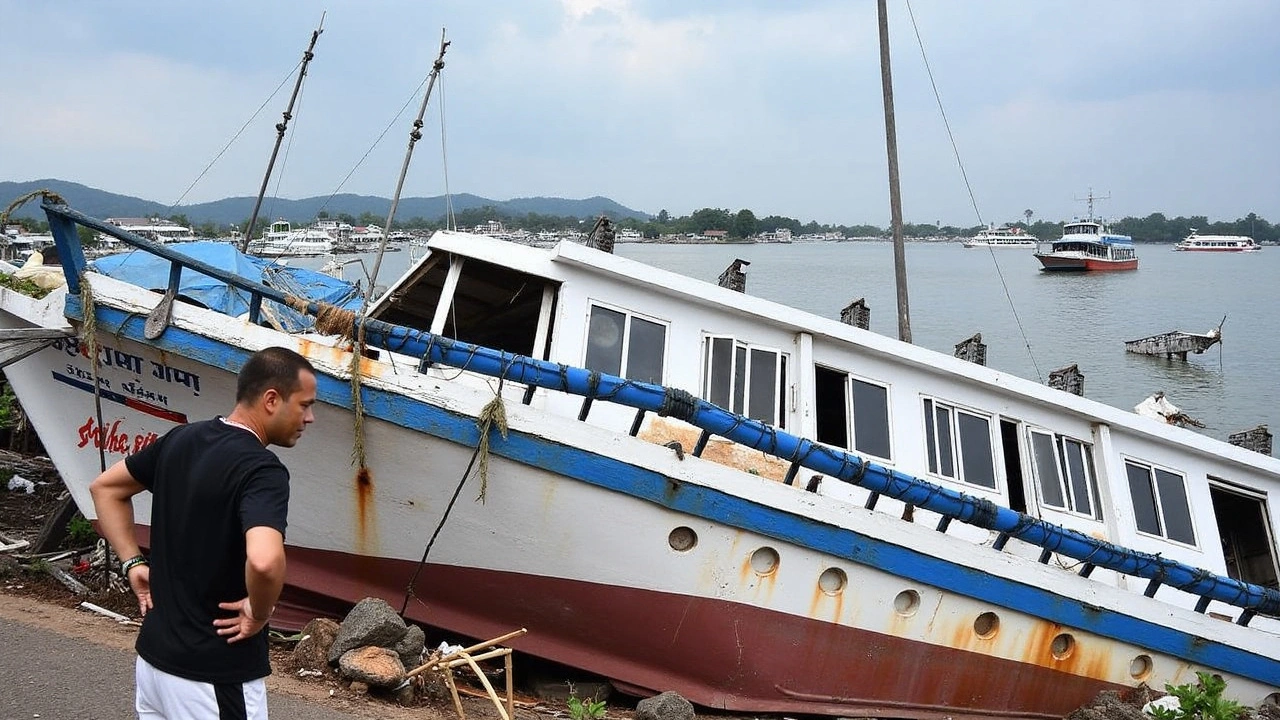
point(158, 320)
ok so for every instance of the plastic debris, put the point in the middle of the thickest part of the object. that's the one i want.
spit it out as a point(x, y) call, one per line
point(19, 483)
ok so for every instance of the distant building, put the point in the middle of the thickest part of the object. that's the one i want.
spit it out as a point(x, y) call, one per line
point(715, 233)
point(157, 229)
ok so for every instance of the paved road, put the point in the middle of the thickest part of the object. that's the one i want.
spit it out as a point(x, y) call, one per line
point(45, 674)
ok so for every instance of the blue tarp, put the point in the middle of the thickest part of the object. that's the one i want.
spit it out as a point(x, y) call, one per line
point(152, 272)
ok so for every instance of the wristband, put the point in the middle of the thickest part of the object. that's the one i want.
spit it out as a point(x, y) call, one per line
point(131, 563)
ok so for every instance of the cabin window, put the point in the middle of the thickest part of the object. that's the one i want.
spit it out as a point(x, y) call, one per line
point(627, 345)
point(1064, 472)
point(959, 444)
point(488, 305)
point(851, 413)
point(1160, 504)
point(746, 379)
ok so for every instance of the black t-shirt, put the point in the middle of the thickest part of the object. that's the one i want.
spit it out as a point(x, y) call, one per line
point(210, 483)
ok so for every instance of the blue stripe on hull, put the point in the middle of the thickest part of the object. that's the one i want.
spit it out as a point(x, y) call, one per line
point(731, 510)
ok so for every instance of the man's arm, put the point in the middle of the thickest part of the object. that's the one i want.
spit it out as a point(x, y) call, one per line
point(113, 493)
point(264, 577)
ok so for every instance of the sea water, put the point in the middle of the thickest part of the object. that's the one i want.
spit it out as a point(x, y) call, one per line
point(1031, 321)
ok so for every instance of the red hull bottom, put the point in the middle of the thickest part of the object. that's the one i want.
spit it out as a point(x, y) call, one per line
point(718, 654)
point(1079, 265)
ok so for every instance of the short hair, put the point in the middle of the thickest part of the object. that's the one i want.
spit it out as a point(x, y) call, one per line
point(273, 367)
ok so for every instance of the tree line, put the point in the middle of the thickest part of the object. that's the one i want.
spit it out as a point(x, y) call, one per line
point(1154, 228)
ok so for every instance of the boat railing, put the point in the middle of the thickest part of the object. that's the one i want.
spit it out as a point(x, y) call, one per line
point(712, 420)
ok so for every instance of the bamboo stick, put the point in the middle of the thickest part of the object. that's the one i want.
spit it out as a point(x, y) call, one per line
point(493, 695)
point(460, 661)
point(511, 701)
point(453, 690)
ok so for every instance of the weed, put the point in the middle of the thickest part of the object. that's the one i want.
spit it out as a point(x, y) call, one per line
point(24, 286)
point(589, 709)
point(1200, 701)
point(80, 531)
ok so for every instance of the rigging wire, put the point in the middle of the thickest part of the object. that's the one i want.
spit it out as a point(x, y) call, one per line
point(235, 137)
point(969, 188)
point(450, 221)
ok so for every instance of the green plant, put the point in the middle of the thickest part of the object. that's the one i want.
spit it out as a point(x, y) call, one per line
point(589, 709)
point(80, 531)
point(1200, 701)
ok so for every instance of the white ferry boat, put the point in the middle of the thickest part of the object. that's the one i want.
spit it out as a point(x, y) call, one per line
point(1217, 243)
point(282, 240)
point(1002, 237)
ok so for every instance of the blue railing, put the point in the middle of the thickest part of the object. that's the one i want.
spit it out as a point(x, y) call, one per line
point(713, 420)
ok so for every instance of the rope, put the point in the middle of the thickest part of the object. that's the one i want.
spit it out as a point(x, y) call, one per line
point(89, 336)
point(493, 413)
point(43, 194)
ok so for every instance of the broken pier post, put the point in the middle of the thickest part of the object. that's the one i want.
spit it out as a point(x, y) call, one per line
point(1068, 378)
point(857, 314)
point(973, 350)
point(1257, 440)
point(734, 277)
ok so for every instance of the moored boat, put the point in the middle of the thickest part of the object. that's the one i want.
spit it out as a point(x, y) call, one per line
point(1002, 237)
point(1217, 243)
point(282, 240)
point(835, 522)
point(1088, 245)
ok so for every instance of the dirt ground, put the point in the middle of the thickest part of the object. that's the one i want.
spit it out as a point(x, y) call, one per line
point(30, 594)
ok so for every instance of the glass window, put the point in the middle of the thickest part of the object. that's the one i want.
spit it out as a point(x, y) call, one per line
point(870, 418)
point(746, 379)
point(1160, 504)
point(619, 343)
point(1064, 472)
point(959, 444)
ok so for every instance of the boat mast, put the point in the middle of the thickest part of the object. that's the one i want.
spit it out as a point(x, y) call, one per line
point(895, 195)
point(414, 136)
point(280, 128)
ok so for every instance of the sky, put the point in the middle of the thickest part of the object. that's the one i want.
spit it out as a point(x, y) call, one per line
point(772, 106)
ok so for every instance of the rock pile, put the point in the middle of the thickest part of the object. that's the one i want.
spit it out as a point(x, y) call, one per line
point(371, 648)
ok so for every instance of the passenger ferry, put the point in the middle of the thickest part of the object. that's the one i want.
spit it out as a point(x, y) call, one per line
point(1217, 243)
point(281, 240)
point(1088, 245)
point(1002, 237)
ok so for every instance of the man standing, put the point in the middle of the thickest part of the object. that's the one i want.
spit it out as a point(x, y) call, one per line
point(219, 505)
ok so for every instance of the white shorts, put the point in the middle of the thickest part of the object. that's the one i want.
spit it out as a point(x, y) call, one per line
point(162, 696)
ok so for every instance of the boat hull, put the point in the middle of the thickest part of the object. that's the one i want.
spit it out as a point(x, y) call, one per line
point(1057, 263)
point(660, 572)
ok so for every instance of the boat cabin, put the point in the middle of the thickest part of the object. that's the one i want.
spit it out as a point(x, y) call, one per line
point(1050, 454)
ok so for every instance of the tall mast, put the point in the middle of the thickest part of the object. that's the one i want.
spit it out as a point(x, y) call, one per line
point(895, 195)
point(280, 128)
point(414, 136)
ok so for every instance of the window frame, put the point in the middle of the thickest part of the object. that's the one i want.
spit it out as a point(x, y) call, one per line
point(740, 398)
point(1062, 473)
point(625, 349)
point(934, 455)
point(1156, 493)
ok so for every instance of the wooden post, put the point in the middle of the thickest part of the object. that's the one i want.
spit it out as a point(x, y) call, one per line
point(857, 314)
point(1068, 378)
point(734, 277)
point(973, 350)
point(1257, 440)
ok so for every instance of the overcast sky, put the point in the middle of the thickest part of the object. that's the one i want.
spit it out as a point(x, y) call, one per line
point(1167, 106)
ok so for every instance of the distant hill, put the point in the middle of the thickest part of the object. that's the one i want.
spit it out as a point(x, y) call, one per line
point(236, 210)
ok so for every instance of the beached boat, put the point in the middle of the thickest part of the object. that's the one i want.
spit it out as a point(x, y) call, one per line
point(832, 522)
point(1088, 245)
point(1002, 237)
point(1217, 243)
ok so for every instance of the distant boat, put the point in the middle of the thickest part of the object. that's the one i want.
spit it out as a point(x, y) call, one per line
point(1217, 243)
point(1088, 245)
point(1003, 237)
point(281, 240)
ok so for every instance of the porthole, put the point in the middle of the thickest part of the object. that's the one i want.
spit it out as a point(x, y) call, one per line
point(906, 603)
point(682, 539)
point(1140, 668)
point(1062, 646)
point(986, 625)
point(832, 581)
point(764, 561)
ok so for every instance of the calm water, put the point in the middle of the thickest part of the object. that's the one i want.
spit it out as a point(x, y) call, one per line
point(1034, 322)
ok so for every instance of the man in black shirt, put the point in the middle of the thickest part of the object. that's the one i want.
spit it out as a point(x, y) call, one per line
point(220, 501)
